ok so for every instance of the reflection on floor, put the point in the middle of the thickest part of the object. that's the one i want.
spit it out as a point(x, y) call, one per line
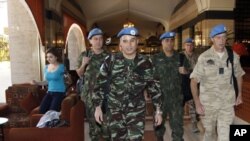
point(149, 134)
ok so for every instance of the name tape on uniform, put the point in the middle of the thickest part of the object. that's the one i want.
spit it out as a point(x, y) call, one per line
point(239, 132)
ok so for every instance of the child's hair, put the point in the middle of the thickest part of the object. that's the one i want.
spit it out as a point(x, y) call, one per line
point(56, 53)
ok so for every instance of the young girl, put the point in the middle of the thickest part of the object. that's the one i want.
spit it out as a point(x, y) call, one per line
point(54, 77)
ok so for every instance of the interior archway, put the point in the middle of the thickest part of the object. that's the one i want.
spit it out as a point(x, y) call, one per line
point(75, 45)
point(26, 50)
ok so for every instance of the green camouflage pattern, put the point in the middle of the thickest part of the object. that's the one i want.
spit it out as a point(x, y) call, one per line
point(192, 59)
point(126, 103)
point(217, 95)
point(167, 72)
point(95, 130)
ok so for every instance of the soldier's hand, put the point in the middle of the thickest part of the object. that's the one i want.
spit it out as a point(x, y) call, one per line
point(98, 115)
point(199, 108)
point(238, 100)
point(158, 119)
point(183, 70)
point(85, 60)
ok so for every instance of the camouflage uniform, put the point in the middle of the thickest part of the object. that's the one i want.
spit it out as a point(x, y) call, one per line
point(167, 71)
point(95, 130)
point(192, 111)
point(126, 103)
point(216, 93)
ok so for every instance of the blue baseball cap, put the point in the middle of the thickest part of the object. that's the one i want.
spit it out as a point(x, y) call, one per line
point(218, 29)
point(95, 31)
point(189, 40)
point(128, 31)
point(167, 35)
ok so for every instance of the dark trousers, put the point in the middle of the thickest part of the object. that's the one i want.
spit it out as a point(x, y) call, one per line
point(52, 101)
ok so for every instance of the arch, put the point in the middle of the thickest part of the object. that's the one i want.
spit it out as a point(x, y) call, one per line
point(26, 50)
point(75, 45)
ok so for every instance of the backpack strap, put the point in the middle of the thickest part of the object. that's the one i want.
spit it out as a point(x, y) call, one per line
point(230, 59)
point(233, 78)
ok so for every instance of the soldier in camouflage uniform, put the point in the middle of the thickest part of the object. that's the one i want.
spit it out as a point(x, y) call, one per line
point(216, 100)
point(168, 71)
point(89, 63)
point(130, 74)
point(192, 57)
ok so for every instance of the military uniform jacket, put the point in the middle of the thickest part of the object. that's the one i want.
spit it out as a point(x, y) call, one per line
point(128, 80)
point(214, 75)
point(91, 72)
point(167, 71)
point(192, 59)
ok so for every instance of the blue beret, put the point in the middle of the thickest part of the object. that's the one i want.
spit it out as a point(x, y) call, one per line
point(95, 31)
point(189, 40)
point(128, 31)
point(218, 29)
point(167, 35)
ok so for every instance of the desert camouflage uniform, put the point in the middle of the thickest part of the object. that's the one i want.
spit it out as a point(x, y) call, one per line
point(95, 130)
point(217, 95)
point(126, 103)
point(167, 71)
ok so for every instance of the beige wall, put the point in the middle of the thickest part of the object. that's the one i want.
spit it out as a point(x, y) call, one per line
point(225, 5)
point(186, 13)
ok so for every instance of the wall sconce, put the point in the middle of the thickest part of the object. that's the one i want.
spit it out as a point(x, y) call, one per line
point(198, 38)
point(59, 41)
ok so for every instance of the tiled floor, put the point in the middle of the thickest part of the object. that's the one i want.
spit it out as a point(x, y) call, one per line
point(149, 134)
point(188, 134)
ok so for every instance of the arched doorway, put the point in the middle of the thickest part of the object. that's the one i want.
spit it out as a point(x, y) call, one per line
point(26, 50)
point(75, 44)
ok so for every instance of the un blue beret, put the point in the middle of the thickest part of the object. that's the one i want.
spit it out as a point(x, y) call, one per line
point(167, 35)
point(189, 40)
point(128, 31)
point(218, 29)
point(94, 31)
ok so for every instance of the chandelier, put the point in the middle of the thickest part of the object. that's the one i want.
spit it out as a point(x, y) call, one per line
point(128, 24)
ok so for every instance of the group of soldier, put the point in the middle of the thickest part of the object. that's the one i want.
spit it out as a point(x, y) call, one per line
point(114, 86)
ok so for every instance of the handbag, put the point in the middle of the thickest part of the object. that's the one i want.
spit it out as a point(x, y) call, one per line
point(48, 116)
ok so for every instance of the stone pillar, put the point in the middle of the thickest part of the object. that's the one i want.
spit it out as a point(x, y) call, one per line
point(26, 49)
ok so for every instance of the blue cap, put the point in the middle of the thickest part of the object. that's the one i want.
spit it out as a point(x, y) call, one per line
point(128, 31)
point(189, 40)
point(218, 29)
point(167, 35)
point(94, 31)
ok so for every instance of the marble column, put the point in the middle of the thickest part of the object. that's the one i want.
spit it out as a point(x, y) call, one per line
point(26, 50)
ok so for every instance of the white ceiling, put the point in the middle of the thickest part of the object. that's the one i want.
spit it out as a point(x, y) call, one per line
point(111, 14)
